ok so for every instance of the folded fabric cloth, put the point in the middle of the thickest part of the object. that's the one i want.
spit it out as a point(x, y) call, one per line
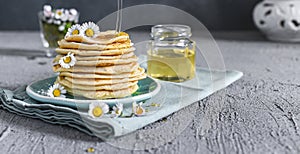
point(171, 98)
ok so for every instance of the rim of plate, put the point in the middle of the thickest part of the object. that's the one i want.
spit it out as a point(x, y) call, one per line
point(43, 98)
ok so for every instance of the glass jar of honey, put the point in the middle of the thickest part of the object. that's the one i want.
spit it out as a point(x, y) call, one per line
point(171, 53)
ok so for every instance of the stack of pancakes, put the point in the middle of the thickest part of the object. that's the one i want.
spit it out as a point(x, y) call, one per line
point(106, 66)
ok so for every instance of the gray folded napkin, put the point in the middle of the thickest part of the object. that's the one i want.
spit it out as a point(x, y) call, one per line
point(171, 98)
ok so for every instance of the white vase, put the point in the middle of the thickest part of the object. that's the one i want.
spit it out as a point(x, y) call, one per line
point(279, 20)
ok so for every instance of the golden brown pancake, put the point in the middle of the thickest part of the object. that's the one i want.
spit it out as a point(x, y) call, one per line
point(93, 58)
point(97, 82)
point(75, 45)
point(97, 40)
point(105, 67)
point(138, 72)
point(104, 94)
point(97, 63)
point(94, 52)
point(117, 86)
point(116, 69)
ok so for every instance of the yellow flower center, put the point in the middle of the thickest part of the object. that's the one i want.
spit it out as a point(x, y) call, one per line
point(67, 60)
point(89, 32)
point(90, 150)
point(56, 92)
point(97, 111)
point(139, 110)
point(118, 112)
point(59, 13)
point(75, 32)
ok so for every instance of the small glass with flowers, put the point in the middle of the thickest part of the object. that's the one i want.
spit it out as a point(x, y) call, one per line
point(54, 24)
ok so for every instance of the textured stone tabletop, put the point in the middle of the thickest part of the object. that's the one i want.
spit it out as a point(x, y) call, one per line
point(257, 114)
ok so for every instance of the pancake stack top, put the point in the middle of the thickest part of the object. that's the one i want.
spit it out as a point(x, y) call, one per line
point(97, 65)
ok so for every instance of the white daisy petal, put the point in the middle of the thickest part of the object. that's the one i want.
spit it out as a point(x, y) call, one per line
point(47, 8)
point(47, 11)
point(59, 13)
point(73, 30)
point(62, 90)
point(49, 21)
point(62, 27)
point(120, 106)
point(90, 112)
point(117, 110)
point(137, 109)
point(89, 29)
point(56, 91)
point(67, 61)
point(57, 22)
point(62, 96)
point(105, 108)
point(73, 15)
point(98, 109)
point(65, 15)
point(73, 11)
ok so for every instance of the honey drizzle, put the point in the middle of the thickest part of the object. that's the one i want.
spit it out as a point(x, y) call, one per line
point(119, 16)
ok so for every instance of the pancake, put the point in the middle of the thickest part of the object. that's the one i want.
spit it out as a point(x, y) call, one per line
point(105, 66)
point(74, 45)
point(95, 53)
point(110, 34)
point(106, 62)
point(117, 86)
point(137, 72)
point(97, 40)
point(103, 94)
point(93, 58)
point(116, 69)
point(97, 82)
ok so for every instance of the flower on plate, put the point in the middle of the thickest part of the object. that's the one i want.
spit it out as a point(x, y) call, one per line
point(74, 30)
point(56, 91)
point(89, 29)
point(73, 15)
point(59, 13)
point(117, 110)
point(98, 109)
point(67, 61)
point(47, 11)
point(137, 109)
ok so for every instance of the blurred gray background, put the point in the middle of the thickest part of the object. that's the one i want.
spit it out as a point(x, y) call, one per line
point(214, 14)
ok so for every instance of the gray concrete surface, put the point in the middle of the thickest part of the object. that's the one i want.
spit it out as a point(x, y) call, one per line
point(257, 114)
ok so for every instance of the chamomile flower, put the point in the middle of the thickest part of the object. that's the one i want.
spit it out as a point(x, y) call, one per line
point(137, 109)
point(89, 29)
point(49, 20)
point(73, 30)
point(67, 61)
point(57, 22)
point(56, 91)
point(117, 110)
point(73, 15)
point(98, 109)
point(65, 15)
point(62, 27)
point(47, 11)
point(59, 13)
